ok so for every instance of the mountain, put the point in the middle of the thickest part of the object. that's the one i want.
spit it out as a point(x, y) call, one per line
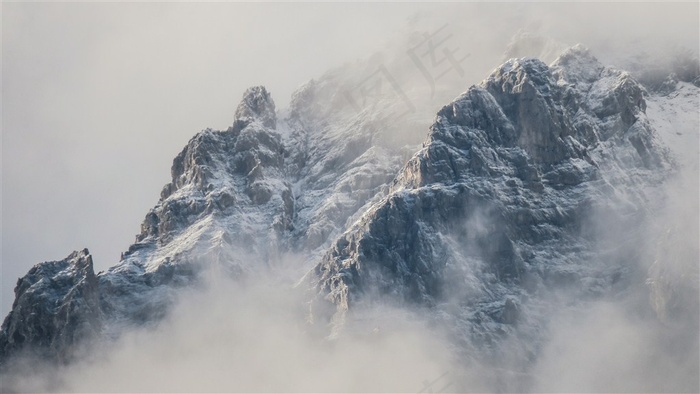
point(529, 195)
point(239, 199)
point(520, 190)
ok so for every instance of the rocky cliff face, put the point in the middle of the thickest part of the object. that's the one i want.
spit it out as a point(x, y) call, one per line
point(513, 195)
point(238, 200)
point(500, 206)
point(56, 308)
point(238, 173)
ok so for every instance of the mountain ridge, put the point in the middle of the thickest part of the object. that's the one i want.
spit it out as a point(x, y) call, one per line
point(509, 169)
point(501, 200)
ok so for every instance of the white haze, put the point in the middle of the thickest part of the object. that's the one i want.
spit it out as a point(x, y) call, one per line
point(98, 99)
point(253, 337)
point(619, 344)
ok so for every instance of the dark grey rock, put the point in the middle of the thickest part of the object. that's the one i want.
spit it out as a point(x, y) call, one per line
point(257, 104)
point(56, 308)
point(501, 202)
point(494, 209)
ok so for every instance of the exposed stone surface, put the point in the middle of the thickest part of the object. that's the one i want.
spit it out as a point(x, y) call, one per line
point(511, 196)
point(336, 159)
point(56, 307)
point(499, 206)
point(257, 104)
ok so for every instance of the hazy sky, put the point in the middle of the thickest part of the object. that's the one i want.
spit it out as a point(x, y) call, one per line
point(97, 99)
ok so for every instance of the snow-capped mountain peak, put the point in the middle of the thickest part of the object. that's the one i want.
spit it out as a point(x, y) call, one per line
point(517, 195)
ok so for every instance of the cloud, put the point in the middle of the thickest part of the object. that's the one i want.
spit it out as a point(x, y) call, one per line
point(230, 336)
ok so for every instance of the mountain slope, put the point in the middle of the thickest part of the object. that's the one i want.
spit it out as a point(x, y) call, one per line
point(521, 189)
point(239, 200)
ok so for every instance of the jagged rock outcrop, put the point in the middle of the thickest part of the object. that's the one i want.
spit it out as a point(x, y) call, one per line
point(514, 193)
point(228, 190)
point(56, 308)
point(240, 198)
point(257, 104)
point(228, 205)
point(227, 199)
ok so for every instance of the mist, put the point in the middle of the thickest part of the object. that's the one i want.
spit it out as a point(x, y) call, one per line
point(251, 336)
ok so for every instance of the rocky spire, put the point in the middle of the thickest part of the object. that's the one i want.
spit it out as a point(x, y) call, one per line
point(257, 104)
point(56, 306)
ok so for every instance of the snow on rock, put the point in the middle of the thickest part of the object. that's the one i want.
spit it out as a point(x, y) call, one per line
point(514, 194)
point(240, 199)
point(494, 208)
point(257, 104)
point(56, 308)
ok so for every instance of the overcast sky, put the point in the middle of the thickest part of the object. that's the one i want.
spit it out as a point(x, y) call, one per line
point(97, 99)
